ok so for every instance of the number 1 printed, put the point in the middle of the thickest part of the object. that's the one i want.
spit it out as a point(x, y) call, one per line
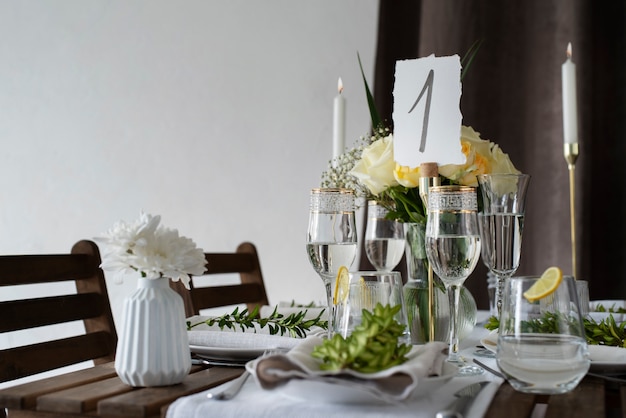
point(428, 87)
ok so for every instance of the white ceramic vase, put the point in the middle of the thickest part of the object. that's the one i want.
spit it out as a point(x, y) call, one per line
point(153, 347)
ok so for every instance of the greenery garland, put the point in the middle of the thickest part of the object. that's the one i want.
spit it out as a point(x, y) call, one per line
point(606, 332)
point(295, 324)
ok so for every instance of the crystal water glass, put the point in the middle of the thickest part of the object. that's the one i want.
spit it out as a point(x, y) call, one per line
point(542, 346)
point(366, 289)
point(453, 250)
point(331, 237)
point(502, 224)
point(384, 238)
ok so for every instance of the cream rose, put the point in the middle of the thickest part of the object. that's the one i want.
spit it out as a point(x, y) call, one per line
point(481, 157)
point(375, 168)
point(407, 176)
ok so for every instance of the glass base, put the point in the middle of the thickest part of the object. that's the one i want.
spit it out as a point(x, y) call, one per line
point(470, 370)
point(466, 369)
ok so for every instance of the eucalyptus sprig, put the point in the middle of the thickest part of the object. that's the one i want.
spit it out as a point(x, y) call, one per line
point(295, 324)
point(613, 309)
point(492, 323)
point(294, 304)
point(373, 345)
point(606, 332)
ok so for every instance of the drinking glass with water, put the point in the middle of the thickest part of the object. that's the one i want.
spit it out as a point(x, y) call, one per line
point(541, 344)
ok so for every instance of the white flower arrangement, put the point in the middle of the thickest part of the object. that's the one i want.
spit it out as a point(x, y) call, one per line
point(151, 250)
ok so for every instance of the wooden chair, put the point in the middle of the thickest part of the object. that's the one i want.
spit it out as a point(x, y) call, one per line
point(90, 304)
point(250, 291)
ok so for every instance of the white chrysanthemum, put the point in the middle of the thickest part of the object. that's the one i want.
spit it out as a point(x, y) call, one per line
point(151, 250)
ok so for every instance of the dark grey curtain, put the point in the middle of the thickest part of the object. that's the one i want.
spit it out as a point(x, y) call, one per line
point(512, 96)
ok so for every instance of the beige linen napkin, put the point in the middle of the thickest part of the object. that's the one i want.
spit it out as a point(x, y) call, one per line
point(393, 384)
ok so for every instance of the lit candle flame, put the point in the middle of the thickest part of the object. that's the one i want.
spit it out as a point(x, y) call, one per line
point(339, 85)
point(569, 50)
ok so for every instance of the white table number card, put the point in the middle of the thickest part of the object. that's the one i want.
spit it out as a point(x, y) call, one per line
point(426, 111)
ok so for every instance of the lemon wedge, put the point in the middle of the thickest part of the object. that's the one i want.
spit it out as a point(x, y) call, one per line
point(342, 286)
point(546, 285)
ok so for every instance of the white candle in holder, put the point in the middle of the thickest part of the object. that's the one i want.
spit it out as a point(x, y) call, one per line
point(570, 115)
point(339, 121)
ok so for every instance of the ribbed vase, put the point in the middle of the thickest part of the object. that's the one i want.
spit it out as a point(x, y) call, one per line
point(153, 347)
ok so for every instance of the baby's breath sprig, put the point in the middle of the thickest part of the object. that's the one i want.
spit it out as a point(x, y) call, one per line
point(338, 172)
point(294, 324)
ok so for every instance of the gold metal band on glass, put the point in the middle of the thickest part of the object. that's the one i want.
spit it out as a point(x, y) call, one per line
point(452, 198)
point(375, 210)
point(332, 200)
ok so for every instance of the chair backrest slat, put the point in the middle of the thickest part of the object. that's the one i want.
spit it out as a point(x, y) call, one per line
point(251, 291)
point(231, 262)
point(47, 268)
point(32, 359)
point(210, 297)
point(89, 303)
point(31, 313)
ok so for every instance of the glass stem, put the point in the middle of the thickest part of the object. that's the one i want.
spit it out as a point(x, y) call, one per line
point(499, 294)
point(328, 284)
point(501, 280)
point(454, 292)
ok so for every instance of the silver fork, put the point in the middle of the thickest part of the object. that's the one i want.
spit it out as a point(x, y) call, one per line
point(236, 384)
point(231, 390)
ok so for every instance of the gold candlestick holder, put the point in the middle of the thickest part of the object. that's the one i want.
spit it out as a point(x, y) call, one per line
point(429, 177)
point(570, 151)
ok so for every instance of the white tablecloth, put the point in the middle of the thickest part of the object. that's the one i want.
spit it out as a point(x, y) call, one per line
point(253, 401)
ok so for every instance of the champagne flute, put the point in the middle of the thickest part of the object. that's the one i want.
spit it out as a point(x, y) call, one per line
point(453, 250)
point(331, 237)
point(501, 224)
point(384, 238)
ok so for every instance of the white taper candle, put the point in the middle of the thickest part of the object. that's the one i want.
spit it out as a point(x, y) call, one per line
point(570, 115)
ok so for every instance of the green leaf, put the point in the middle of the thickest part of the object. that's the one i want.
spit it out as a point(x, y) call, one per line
point(469, 56)
point(372, 346)
point(376, 121)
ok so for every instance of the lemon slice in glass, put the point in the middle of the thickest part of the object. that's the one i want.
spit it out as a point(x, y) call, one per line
point(342, 286)
point(546, 285)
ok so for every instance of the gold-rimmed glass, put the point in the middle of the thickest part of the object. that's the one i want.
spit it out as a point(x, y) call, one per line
point(453, 250)
point(331, 237)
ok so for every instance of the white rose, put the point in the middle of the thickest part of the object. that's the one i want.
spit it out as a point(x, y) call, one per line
point(375, 168)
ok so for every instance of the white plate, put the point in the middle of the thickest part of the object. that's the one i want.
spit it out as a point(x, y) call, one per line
point(603, 358)
point(607, 358)
point(228, 353)
point(490, 342)
point(328, 391)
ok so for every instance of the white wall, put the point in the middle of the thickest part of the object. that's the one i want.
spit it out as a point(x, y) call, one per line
point(217, 115)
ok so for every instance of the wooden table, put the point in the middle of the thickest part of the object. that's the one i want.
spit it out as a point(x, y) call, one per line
point(593, 397)
point(98, 392)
